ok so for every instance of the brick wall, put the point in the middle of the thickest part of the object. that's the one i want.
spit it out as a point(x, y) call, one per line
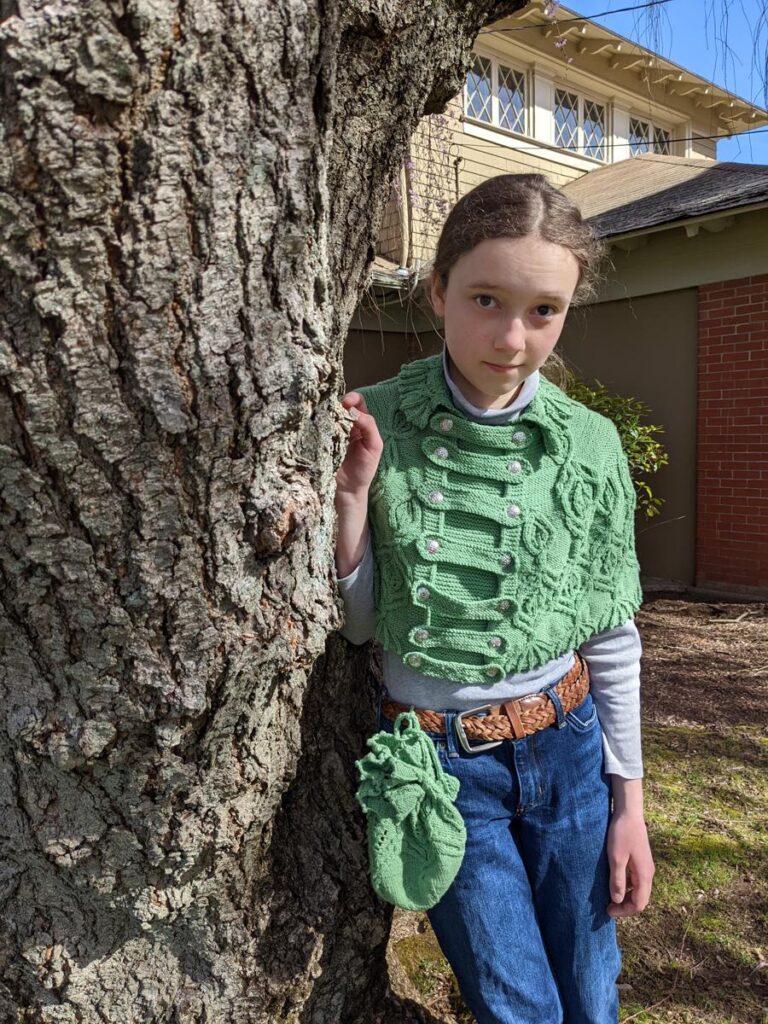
point(732, 457)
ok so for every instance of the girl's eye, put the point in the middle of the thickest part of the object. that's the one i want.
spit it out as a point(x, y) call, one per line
point(479, 299)
point(544, 310)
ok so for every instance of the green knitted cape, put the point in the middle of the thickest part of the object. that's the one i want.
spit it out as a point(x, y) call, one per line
point(416, 836)
point(496, 547)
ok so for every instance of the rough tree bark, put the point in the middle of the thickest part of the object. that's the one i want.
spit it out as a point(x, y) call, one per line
point(189, 195)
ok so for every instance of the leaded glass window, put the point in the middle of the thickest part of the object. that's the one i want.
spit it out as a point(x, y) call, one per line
point(566, 119)
point(479, 90)
point(594, 130)
point(639, 135)
point(661, 141)
point(511, 99)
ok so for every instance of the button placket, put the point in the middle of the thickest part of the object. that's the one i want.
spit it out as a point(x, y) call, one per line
point(437, 452)
point(509, 542)
point(432, 500)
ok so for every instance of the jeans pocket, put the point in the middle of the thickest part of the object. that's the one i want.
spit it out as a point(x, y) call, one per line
point(584, 717)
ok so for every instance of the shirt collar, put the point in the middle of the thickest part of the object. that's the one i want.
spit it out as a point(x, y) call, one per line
point(505, 415)
point(424, 389)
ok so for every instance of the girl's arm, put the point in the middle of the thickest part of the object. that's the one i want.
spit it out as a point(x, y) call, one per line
point(357, 593)
point(353, 554)
point(353, 480)
point(629, 852)
point(353, 533)
point(613, 657)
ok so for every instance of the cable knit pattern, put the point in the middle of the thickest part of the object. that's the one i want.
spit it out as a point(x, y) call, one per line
point(416, 836)
point(497, 547)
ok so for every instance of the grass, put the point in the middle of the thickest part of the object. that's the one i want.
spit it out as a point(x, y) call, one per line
point(699, 953)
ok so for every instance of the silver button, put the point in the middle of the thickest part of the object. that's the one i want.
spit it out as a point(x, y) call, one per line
point(414, 659)
point(513, 511)
point(514, 466)
point(519, 437)
point(503, 606)
point(446, 424)
point(436, 497)
point(433, 546)
point(441, 452)
point(422, 635)
point(491, 671)
point(505, 560)
point(423, 593)
point(494, 641)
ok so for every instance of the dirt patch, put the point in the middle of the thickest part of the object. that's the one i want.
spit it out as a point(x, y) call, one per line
point(704, 663)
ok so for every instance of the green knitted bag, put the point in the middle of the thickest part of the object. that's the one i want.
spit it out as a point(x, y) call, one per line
point(416, 836)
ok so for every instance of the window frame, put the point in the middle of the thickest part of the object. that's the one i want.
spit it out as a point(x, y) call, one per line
point(653, 128)
point(495, 121)
point(583, 98)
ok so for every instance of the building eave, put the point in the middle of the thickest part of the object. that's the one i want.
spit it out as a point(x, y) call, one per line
point(733, 113)
point(705, 220)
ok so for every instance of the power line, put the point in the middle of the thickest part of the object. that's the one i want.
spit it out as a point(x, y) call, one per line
point(561, 21)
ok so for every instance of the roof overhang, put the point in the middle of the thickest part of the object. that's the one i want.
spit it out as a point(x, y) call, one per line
point(713, 222)
point(732, 113)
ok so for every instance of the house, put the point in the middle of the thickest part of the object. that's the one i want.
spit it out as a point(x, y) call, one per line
point(682, 322)
point(632, 138)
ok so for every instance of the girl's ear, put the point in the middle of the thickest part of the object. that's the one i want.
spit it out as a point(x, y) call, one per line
point(437, 295)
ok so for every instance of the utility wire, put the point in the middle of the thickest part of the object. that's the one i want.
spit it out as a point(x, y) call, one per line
point(561, 21)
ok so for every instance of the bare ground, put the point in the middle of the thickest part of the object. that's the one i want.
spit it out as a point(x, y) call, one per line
point(704, 663)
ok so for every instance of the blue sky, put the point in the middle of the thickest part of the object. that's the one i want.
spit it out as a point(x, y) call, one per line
point(714, 38)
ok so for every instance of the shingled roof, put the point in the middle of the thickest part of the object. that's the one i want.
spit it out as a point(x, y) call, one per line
point(650, 190)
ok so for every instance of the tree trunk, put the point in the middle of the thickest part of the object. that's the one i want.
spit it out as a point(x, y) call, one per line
point(189, 197)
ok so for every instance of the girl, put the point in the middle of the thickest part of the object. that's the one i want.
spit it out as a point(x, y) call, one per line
point(485, 537)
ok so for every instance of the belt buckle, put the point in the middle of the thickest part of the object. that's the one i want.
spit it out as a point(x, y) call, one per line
point(462, 736)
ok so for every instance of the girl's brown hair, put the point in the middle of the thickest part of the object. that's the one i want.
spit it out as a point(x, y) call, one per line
point(514, 205)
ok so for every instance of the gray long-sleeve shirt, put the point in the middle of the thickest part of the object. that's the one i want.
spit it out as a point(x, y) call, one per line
point(613, 656)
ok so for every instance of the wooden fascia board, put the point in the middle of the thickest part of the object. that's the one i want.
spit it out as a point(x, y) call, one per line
point(686, 222)
point(596, 39)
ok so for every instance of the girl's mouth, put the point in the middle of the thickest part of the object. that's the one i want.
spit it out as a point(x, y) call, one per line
point(500, 369)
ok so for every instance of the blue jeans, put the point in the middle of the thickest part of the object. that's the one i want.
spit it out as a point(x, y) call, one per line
point(524, 925)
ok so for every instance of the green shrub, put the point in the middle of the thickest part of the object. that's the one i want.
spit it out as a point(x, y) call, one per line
point(645, 453)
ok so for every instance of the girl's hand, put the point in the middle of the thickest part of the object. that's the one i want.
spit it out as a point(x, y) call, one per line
point(364, 448)
point(631, 863)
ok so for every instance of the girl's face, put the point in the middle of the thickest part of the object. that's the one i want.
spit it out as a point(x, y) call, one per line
point(504, 308)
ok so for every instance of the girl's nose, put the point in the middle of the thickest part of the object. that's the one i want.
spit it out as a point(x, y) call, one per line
point(511, 335)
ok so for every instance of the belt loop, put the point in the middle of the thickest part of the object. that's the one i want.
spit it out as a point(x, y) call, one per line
point(553, 695)
point(450, 734)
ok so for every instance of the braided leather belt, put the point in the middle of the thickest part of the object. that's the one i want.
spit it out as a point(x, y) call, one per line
point(513, 719)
